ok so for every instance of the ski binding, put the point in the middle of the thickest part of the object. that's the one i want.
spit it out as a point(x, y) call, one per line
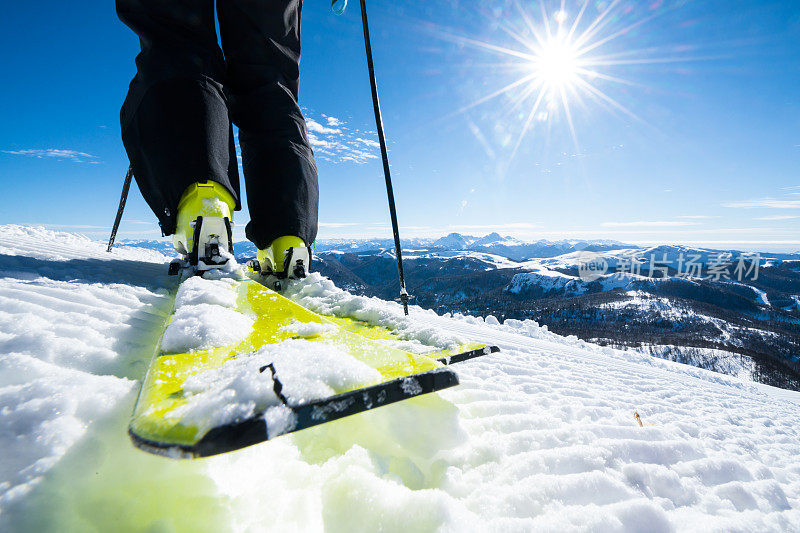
point(212, 246)
point(295, 266)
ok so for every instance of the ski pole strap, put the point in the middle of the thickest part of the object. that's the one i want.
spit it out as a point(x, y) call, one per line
point(125, 188)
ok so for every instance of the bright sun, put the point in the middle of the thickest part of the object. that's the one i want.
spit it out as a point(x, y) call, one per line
point(556, 64)
point(562, 60)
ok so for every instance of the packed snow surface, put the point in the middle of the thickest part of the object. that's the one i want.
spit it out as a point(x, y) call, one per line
point(308, 329)
point(197, 290)
point(322, 296)
point(204, 316)
point(540, 436)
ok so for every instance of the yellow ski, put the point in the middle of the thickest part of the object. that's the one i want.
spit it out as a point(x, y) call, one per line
point(158, 426)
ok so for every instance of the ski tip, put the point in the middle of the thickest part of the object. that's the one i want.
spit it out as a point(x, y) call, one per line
point(470, 354)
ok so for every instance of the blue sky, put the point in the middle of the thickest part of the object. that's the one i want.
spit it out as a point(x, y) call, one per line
point(688, 132)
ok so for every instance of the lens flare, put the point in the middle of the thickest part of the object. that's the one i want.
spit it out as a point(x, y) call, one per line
point(563, 61)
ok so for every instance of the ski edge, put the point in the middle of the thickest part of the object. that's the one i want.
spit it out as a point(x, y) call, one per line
point(254, 430)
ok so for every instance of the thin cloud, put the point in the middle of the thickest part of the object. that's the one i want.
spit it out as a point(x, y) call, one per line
point(56, 153)
point(713, 232)
point(66, 226)
point(648, 223)
point(696, 217)
point(778, 217)
point(765, 203)
point(490, 227)
point(337, 224)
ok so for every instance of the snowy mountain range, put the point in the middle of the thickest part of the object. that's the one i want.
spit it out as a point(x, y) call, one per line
point(550, 434)
point(723, 310)
point(493, 243)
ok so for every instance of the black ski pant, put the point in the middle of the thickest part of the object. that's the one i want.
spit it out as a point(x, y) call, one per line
point(176, 119)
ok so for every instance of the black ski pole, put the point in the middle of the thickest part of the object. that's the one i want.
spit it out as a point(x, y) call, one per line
point(389, 191)
point(125, 188)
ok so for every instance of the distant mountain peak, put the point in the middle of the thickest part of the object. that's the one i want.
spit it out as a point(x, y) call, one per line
point(454, 241)
point(492, 238)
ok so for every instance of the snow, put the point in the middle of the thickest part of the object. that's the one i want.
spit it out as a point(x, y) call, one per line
point(492, 260)
point(540, 277)
point(204, 326)
point(722, 361)
point(71, 321)
point(761, 296)
point(322, 296)
point(44, 409)
point(197, 290)
point(204, 317)
point(495, 239)
point(308, 329)
point(410, 346)
point(615, 258)
point(540, 436)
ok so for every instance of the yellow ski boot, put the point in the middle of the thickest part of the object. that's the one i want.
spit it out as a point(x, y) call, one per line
point(286, 257)
point(203, 228)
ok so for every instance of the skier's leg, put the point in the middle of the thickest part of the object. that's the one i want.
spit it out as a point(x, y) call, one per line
point(175, 123)
point(261, 41)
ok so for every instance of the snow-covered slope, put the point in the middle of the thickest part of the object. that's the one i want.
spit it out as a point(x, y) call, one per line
point(540, 436)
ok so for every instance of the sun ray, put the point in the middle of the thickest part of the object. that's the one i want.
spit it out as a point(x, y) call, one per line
point(568, 114)
point(600, 42)
point(529, 23)
point(488, 46)
point(527, 124)
point(523, 97)
point(495, 94)
point(519, 38)
point(596, 25)
point(454, 35)
point(577, 20)
point(607, 77)
point(546, 22)
point(655, 60)
point(601, 94)
point(602, 103)
point(578, 96)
